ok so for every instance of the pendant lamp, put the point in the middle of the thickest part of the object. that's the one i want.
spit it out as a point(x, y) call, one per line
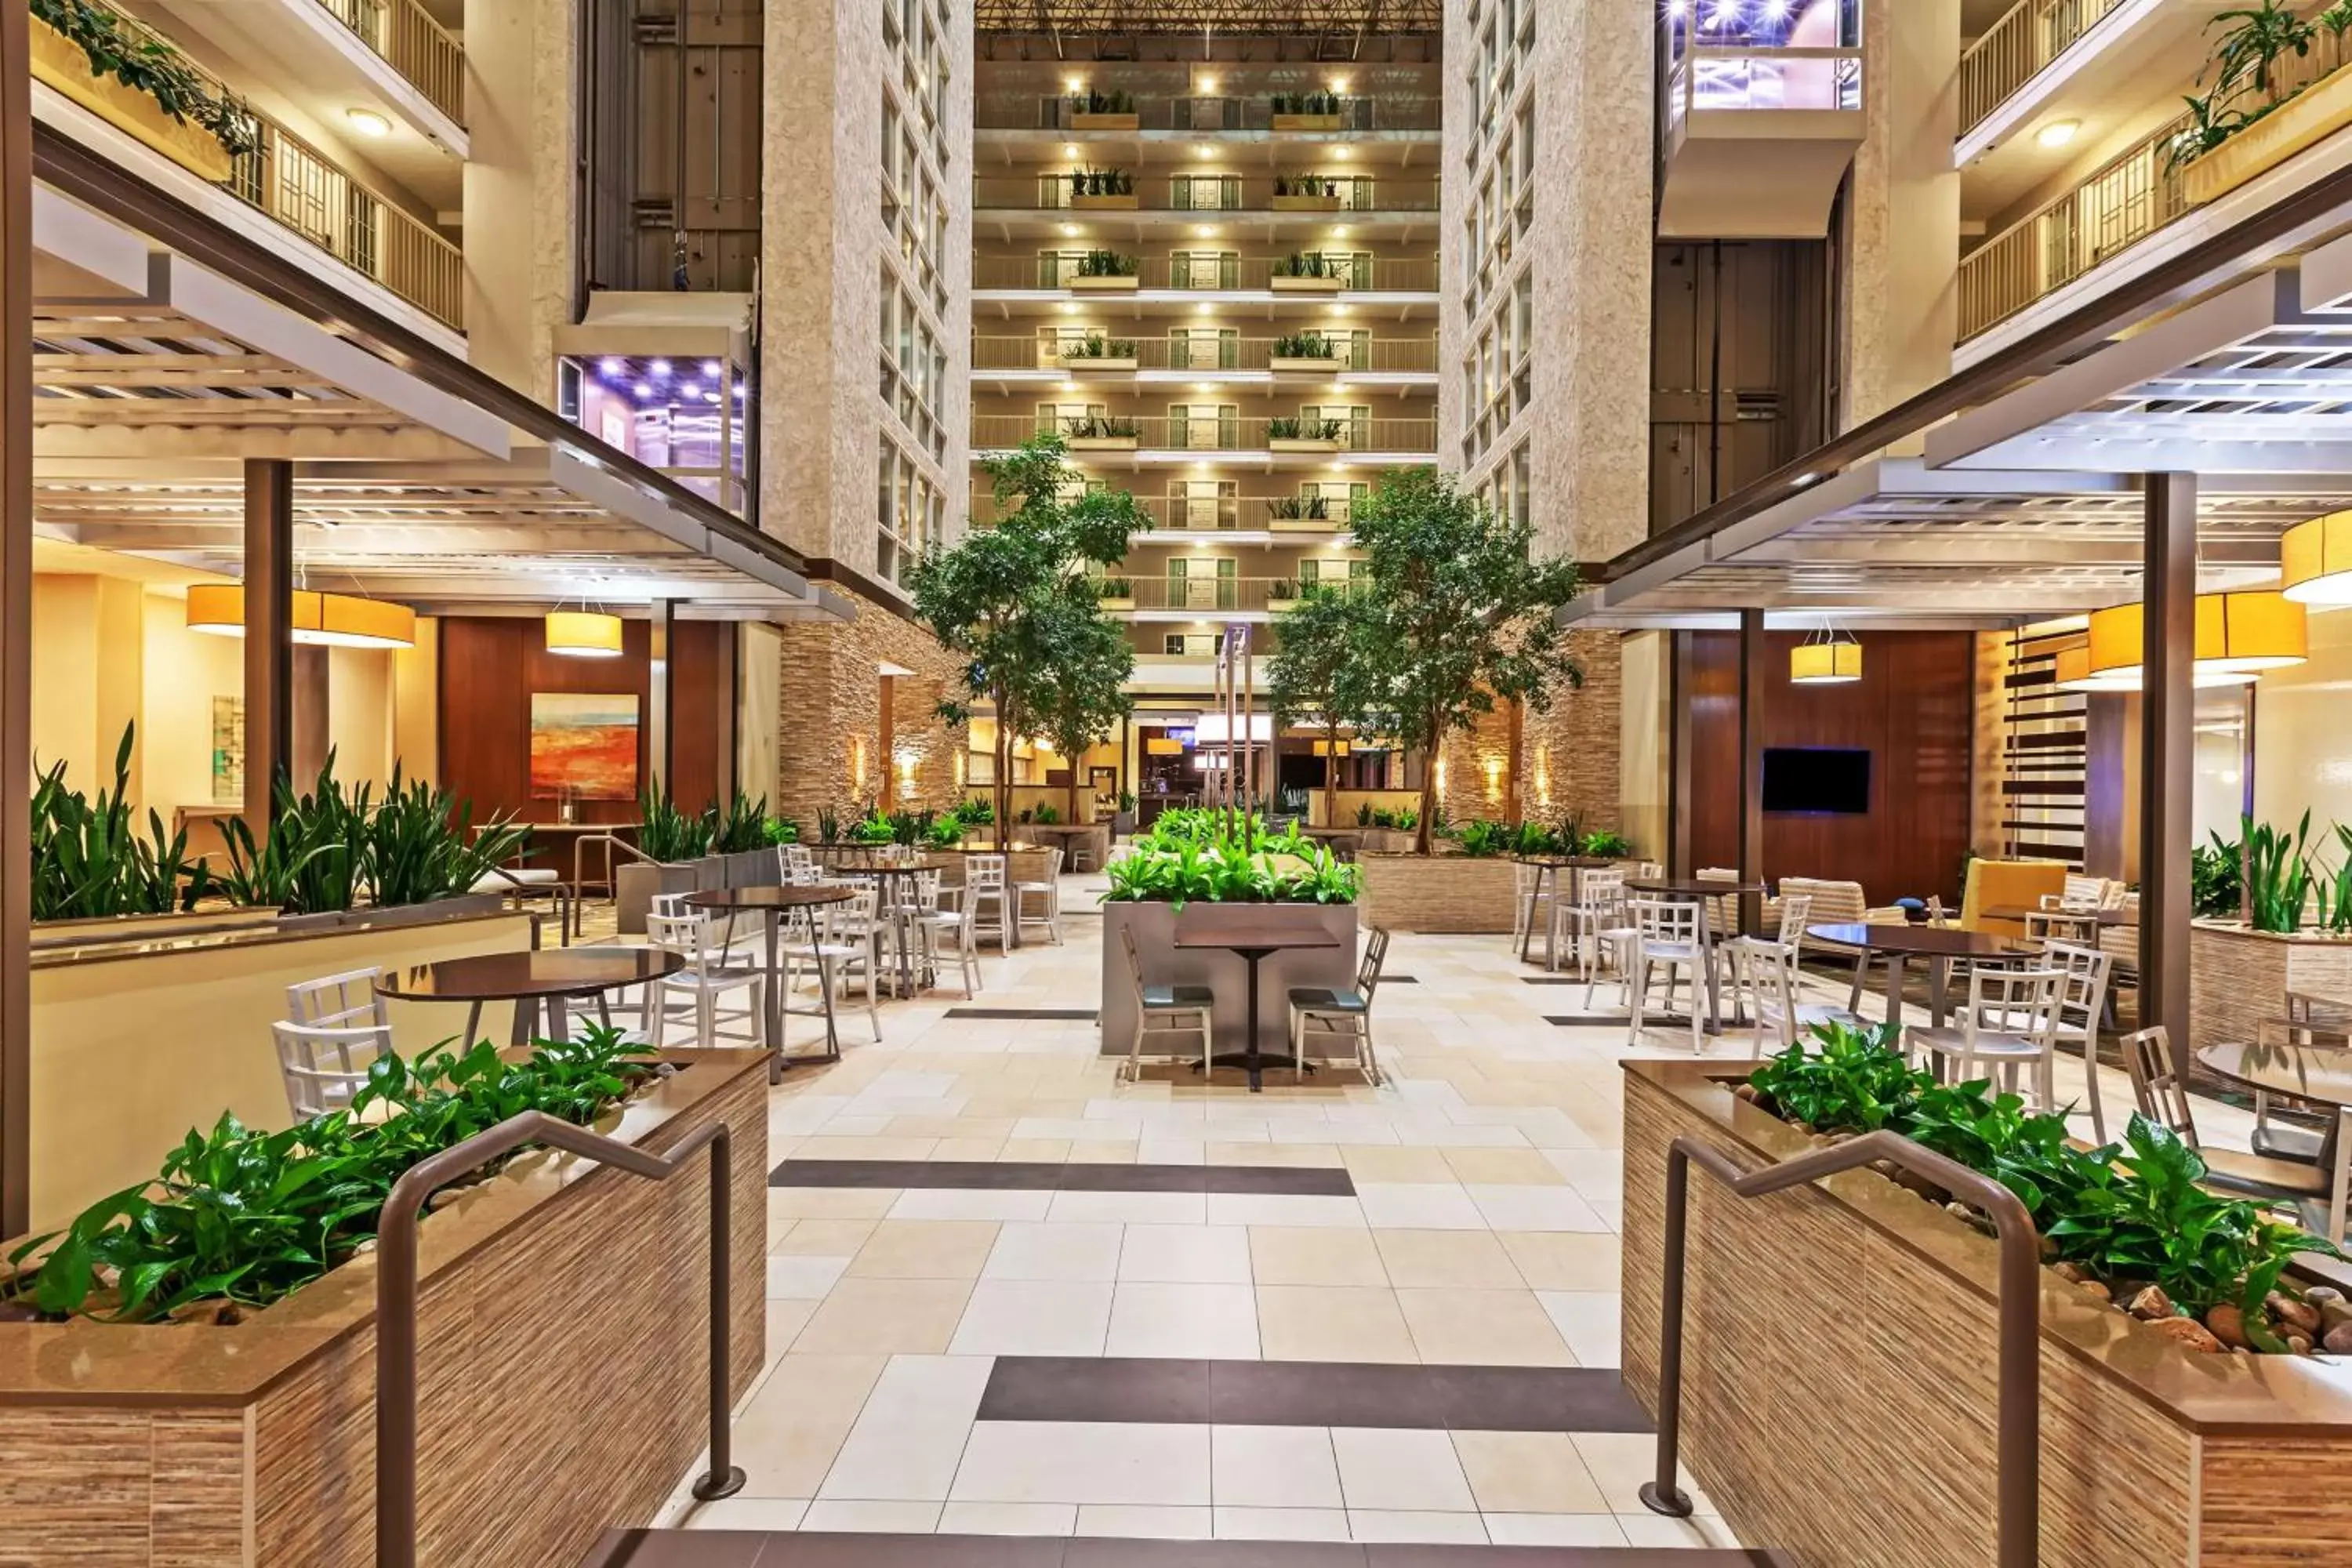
point(319, 620)
point(584, 634)
point(2315, 561)
point(1826, 659)
point(2238, 634)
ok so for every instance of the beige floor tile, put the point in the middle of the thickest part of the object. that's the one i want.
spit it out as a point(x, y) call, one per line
point(824, 1238)
point(1332, 1323)
point(794, 1424)
point(887, 1317)
point(1102, 1151)
point(1025, 1149)
point(997, 1127)
point(925, 1249)
point(1314, 1254)
point(968, 1149)
point(786, 1317)
point(1564, 1260)
point(1502, 1167)
point(1482, 1328)
point(1372, 1162)
point(1439, 1258)
point(832, 1203)
point(1527, 1472)
point(1303, 1156)
point(823, 1147)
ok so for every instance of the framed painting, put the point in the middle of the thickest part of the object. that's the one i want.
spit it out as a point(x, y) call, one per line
point(583, 746)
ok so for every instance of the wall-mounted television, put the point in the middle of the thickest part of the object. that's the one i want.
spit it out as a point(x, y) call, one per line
point(1817, 781)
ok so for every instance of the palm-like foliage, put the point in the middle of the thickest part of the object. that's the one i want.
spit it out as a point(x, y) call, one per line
point(310, 861)
point(2258, 38)
point(89, 861)
point(421, 844)
point(2278, 874)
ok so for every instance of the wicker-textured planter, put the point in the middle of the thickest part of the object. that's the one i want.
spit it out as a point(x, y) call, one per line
point(60, 63)
point(2238, 977)
point(2310, 117)
point(1453, 893)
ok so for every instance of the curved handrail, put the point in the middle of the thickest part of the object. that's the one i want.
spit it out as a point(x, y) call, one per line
point(2018, 1477)
point(397, 1293)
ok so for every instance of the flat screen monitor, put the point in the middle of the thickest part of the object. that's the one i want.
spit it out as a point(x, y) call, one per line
point(1817, 780)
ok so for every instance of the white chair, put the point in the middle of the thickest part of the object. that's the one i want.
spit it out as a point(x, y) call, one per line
point(1615, 937)
point(1334, 1015)
point(338, 1026)
point(1597, 907)
point(1048, 893)
point(2081, 894)
point(839, 940)
point(628, 1008)
point(1166, 1010)
point(2082, 1001)
point(2010, 1022)
point(986, 893)
point(1750, 958)
point(938, 917)
point(1667, 933)
point(703, 984)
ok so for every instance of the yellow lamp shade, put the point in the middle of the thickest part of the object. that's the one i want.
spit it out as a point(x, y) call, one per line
point(323, 620)
point(1162, 747)
point(2315, 561)
point(1327, 749)
point(1825, 664)
point(2237, 634)
point(584, 634)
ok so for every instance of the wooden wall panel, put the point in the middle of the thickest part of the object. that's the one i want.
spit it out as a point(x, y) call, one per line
point(1914, 710)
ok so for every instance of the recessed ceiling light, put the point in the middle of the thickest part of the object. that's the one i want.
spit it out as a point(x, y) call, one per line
point(1071, 231)
point(2058, 133)
point(1206, 231)
point(1205, 151)
point(1207, 84)
point(1339, 153)
point(1069, 149)
point(1340, 231)
point(368, 122)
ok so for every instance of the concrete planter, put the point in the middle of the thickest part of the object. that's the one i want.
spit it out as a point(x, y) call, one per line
point(1308, 285)
point(1306, 123)
point(1112, 603)
point(1307, 366)
point(2310, 117)
point(1839, 1351)
point(1307, 204)
point(1299, 444)
point(1103, 443)
point(1106, 121)
point(391, 917)
point(1073, 363)
point(1452, 894)
point(2238, 977)
point(1305, 525)
point(1124, 204)
point(156, 1447)
point(1164, 963)
point(636, 883)
point(1127, 285)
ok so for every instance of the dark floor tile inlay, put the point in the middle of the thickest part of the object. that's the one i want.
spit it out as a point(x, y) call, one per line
point(756, 1549)
point(1002, 1175)
point(1309, 1394)
point(1068, 1014)
point(1618, 1020)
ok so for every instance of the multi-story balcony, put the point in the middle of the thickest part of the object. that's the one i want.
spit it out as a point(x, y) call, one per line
point(1057, 273)
point(1763, 112)
point(1163, 439)
point(1055, 354)
point(1192, 116)
point(1177, 596)
point(1238, 520)
point(1305, 195)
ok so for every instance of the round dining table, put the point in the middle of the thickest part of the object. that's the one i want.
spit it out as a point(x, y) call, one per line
point(541, 977)
point(772, 904)
point(1694, 890)
point(1939, 945)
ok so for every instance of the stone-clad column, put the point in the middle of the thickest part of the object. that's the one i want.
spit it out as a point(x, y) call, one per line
point(1902, 236)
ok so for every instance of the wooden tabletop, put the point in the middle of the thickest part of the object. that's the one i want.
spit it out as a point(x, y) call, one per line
point(2105, 917)
point(1674, 888)
point(513, 976)
point(769, 898)
point(1933, 942)
point(2321, 1073)
point(1241, 926)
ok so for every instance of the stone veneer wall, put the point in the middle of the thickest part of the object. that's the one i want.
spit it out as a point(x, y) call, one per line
point(1568, 758)
point(829, 715)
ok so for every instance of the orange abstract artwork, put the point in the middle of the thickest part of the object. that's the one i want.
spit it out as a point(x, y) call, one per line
point(583, 746)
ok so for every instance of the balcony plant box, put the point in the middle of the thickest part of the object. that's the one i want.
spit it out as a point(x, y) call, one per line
point(1325, 367)
point(1074, 364)
point(1457, 894)
point(1164, 963)
point(1112, 603)
point(1283, 285)
point(1831, 1328)
point(1127, 284)
point(1103, 443)
point(192, 1443)
point(1306, 122)
point(1125, 202)
point(1307, 204)
point(63, 66)
point(2310, 117)
point(1282, 599)
point(1301, 444)
point(1307, 525)
point(1106, 121)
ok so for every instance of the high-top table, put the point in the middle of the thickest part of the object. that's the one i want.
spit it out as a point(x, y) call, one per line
point(1548, 867)
point(1253, 933)
point(773, 903)
point(892, 875)
point(1691, 890)
point(1937, 945)
point(552, 977)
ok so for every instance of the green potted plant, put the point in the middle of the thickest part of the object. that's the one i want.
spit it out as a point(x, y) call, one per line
point(139, 82)
point(1310, 111)
point(1104, 271)
point(1096, 110)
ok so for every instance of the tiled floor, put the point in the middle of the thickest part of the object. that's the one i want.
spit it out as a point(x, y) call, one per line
point(1476, 1226)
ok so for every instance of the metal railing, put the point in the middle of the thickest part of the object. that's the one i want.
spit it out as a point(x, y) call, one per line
point(404, 35)
point(1217, 595)
point(397, 1293)
point(1206, 115)
point(2014, 50)
point(2018, 1453)
point(2122, 201)
point(1221, 514)
point(295, 184)
point(1205, 273)
point(1212, 192)
point(1394, 355)
point(1208, 434)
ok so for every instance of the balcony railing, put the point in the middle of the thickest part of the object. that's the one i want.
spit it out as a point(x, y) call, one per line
point(1207, 274)
point(1216, 193)
point(1211, 596)
point(405, 35)
point(1221, 514)
point(1112, 355)
point(1208, 114)
point(1162, 432)
point(294, 182)
point(2015, 50)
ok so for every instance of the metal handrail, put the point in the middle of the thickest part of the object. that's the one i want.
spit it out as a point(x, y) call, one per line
point(2018, 1462)
point(610, 881)
point(2016, 48)
point(396, 1297)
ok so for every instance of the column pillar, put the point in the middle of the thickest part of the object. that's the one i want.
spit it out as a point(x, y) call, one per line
point(268, 634)
point(1680, 797)
point(2168, 758)
point(16, 620)
point(1753, 675)
point(661, 705)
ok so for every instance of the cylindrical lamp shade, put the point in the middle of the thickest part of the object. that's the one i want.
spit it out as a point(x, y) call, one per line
point(584, 634)
point(2237, 634)
point(2315, 561)
point(1825, 664)
point(1159, 746)
point(323, 620)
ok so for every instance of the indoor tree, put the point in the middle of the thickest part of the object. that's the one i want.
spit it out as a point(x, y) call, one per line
point(1314, 672)
point(1458, 617)
point(1017, 601)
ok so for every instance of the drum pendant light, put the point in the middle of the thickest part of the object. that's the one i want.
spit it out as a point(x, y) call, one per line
point(2239, 636)
point(1828, 657)
point(319, 620)
point(2315, 561)
point(584, 634)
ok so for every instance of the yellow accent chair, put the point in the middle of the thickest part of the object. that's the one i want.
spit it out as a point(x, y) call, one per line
point(2008, 884)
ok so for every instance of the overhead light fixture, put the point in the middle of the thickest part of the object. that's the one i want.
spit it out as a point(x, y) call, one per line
point(320, 620)
point(2057, 133)
point(1207, 84)
point(1828, 657)
point(1071, 231)
point(2075, 674)
point(1340, 231)
point(1069, 149)
point(584, 634)
point(1206, 231)
point(2315, 561)
point(613, 365)
point(368, 122)
point(2240, 634)
point(1341, 153)
point(1205, 151)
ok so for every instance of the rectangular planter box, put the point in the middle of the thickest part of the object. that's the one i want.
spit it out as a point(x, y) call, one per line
point(1106, 285)
point(1165, 965)
point(1299, 444)
point(1114, 605)
point(1103, 443)
point(1307, 366)
point(635, 882)
point(1281, 604)
point(2310, 117)
point(1126, 204)
point(1307, 285)
point(1305, 525)
point(1839, 1353)
point(1106, 121)
point(192, 1446)
point(1306, 123)
point(62, 64)
point(1450, 893)
point(1307, 204)
point(2238, 978)
point(1081, 362)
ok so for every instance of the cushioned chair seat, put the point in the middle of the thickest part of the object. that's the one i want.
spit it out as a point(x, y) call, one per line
point(2226, 1167)
point(1158, 996)
point(1953, 1041)
point(1321, 999)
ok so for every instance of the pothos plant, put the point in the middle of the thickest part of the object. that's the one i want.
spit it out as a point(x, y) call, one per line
point(137, 58)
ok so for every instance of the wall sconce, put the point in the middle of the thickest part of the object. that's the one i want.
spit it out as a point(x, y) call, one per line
point(1439, 769)
point(858, 763)
point(1543, 776)
point(1494, 778)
